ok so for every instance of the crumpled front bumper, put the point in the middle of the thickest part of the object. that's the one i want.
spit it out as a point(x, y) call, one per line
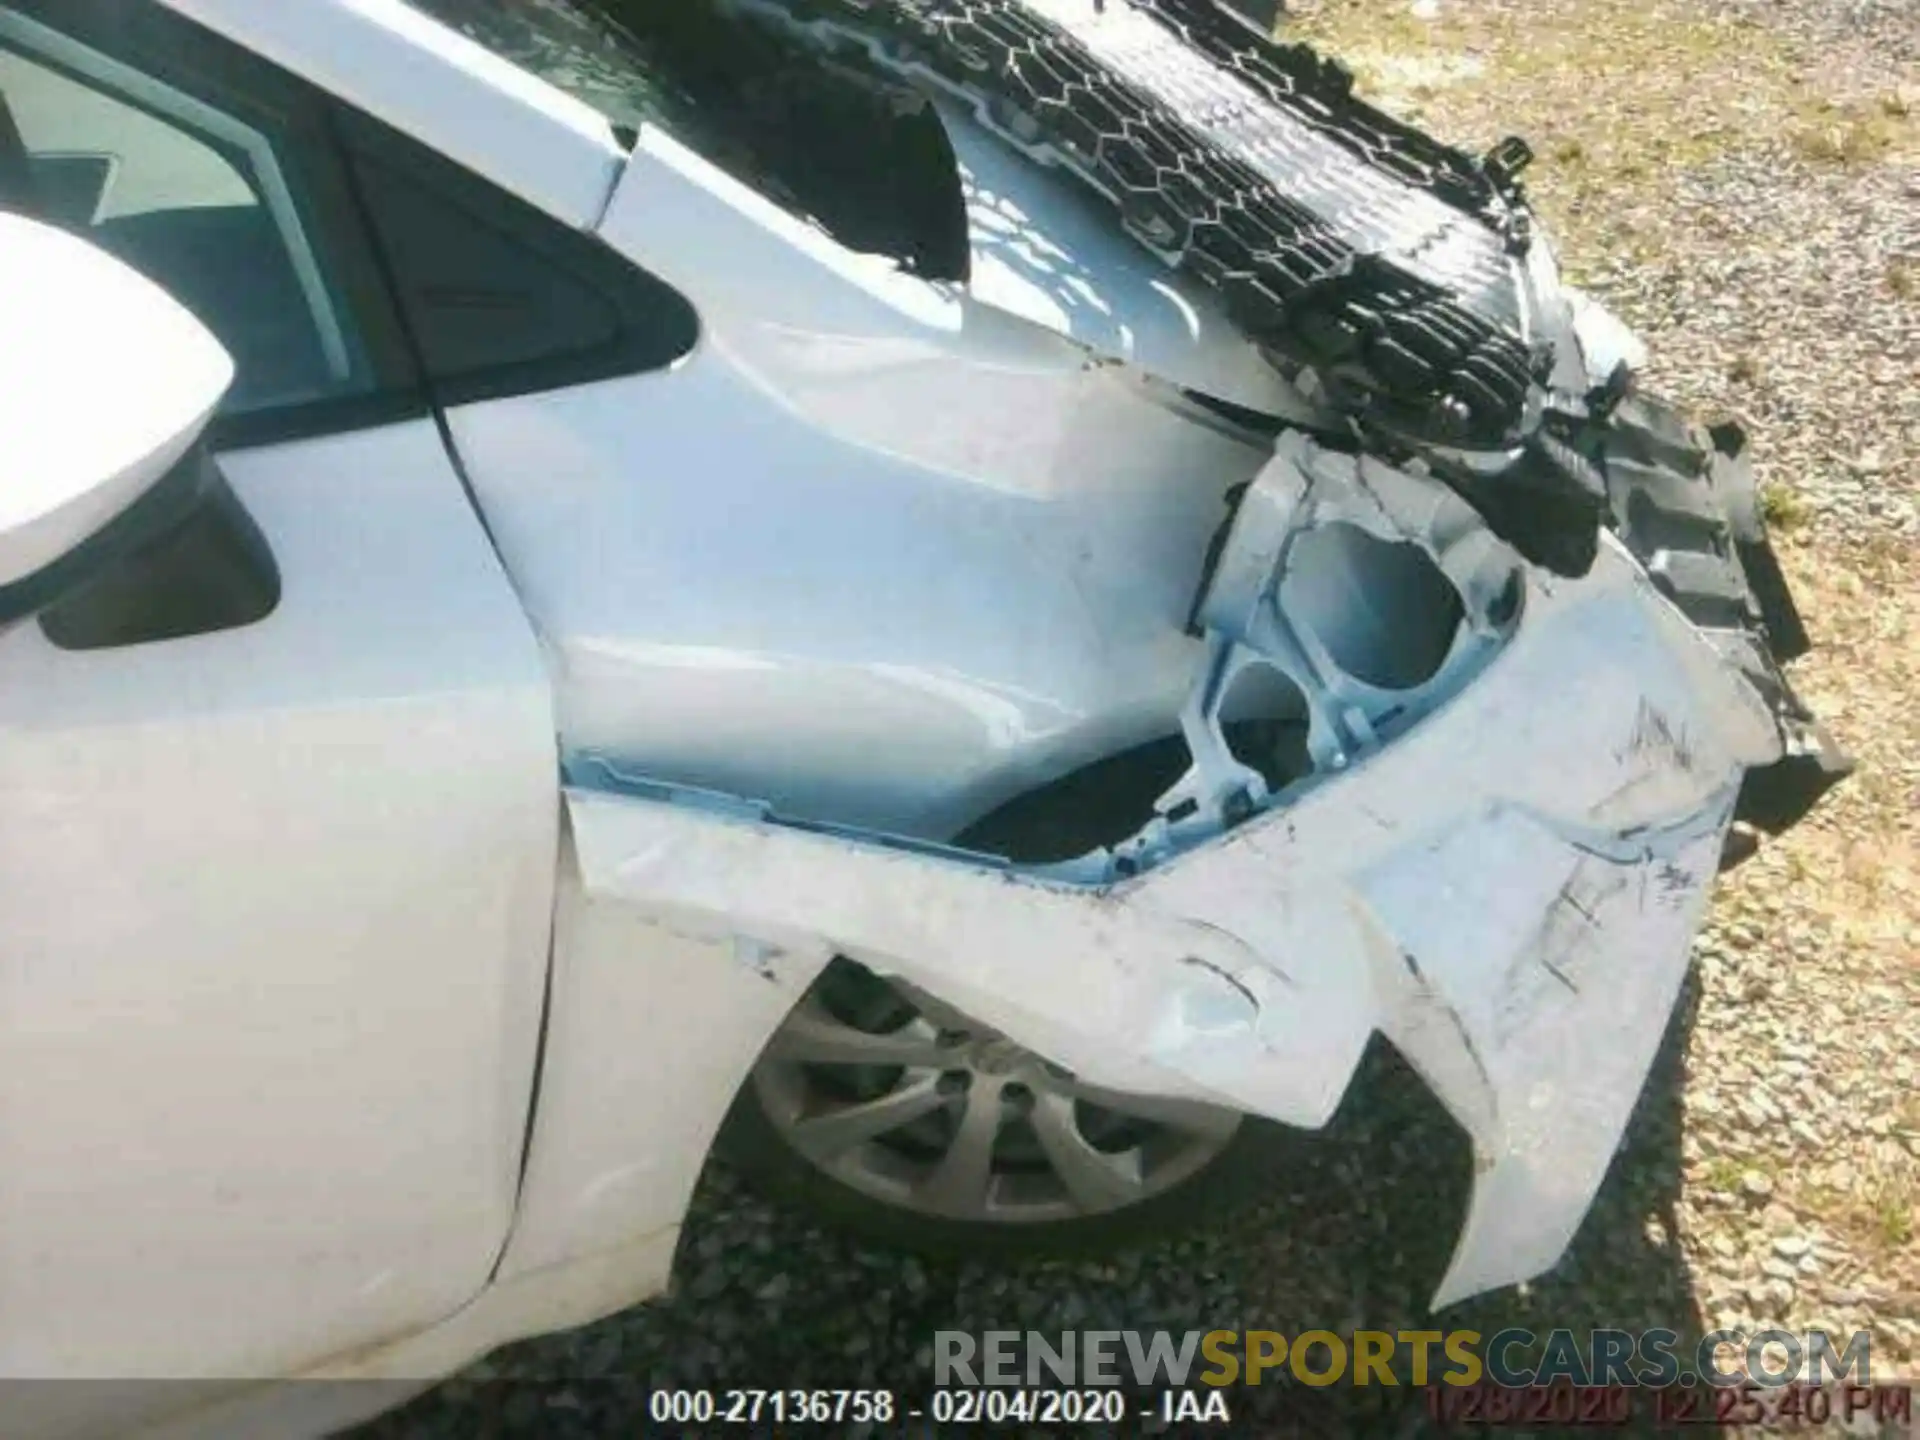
point(1507, 891)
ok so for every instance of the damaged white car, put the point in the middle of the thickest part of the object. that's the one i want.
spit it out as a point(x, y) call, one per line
point(961, 597)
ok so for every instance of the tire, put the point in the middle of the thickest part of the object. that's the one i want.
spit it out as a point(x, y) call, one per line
point(1205, 1188)
point(1223, 1188)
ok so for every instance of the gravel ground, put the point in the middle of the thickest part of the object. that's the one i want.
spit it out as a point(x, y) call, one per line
point(1741, 180)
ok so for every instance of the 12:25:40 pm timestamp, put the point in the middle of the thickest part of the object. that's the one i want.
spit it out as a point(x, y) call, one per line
point(1785, 1406)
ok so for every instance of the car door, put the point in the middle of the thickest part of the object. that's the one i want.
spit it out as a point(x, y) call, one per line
point(278, 812)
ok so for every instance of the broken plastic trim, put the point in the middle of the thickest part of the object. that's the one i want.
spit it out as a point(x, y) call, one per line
point(600, 774)
point(1285, 587)
point(1255, 616)
point(1515, 918)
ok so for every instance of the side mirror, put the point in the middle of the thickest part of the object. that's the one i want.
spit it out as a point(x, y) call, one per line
point(106, 383)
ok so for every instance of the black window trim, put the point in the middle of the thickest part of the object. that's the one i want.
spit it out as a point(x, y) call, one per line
point(632, 293)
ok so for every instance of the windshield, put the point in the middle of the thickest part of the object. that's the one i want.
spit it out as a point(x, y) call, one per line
point(578, 47)
point(838, 144)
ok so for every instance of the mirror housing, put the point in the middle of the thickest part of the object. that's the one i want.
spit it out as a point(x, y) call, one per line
point(106, 384)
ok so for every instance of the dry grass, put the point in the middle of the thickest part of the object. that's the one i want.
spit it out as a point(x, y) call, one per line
point(1464, 70)
point(1852, 132)
point(1785, 511)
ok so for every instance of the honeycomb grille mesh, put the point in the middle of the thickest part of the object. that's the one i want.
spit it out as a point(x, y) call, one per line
point(1337, 237)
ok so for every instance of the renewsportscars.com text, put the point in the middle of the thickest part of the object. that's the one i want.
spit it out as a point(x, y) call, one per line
point(1508, 1358)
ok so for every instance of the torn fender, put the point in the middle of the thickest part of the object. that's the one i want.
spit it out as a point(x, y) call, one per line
point(1507, 892)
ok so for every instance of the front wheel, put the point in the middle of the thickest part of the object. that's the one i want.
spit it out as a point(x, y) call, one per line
point(897, 1118)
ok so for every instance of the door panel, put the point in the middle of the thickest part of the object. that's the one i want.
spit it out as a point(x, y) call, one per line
point(274, 912)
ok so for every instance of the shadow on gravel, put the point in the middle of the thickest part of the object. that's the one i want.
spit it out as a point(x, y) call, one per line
point(1356, 1237)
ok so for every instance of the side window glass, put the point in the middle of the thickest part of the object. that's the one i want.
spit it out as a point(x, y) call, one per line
point(193, 197)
